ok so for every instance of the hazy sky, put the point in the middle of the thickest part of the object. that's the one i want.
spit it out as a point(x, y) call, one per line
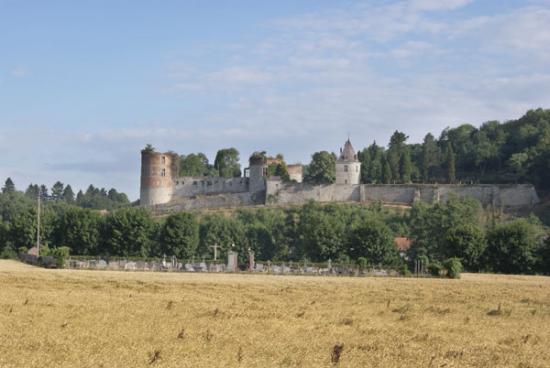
point(84, 85)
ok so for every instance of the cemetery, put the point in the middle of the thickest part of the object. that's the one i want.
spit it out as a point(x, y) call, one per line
point(232, 265)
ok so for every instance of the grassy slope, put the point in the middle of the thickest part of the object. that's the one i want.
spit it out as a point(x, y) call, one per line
point(67, 318)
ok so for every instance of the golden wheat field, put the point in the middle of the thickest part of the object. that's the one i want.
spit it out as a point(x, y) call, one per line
point(69, 318)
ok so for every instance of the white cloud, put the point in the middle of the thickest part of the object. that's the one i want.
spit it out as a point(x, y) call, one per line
point(19, 72)
point(433, 5)
point(371, 69)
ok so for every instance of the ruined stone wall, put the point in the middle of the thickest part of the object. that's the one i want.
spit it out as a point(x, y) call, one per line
point(190, 186)
point(296, 172)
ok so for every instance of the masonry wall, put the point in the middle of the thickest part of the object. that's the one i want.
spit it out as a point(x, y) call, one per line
point(279, 193)
point(393, 194)
point(406, 194)
point(228, 200)
point(190, 186)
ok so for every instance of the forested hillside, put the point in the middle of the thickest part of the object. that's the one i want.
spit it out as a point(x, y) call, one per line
point(517, 151)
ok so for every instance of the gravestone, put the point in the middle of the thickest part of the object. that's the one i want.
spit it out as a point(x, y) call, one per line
point(232, 261)
point(250, 260)
point(203, 267)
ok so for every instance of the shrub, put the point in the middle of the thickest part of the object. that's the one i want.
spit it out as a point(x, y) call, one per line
point(8, 253)
point(363, 263)
point(405, 270)
point(61, 254)
point(453, 267)
point(435, 268)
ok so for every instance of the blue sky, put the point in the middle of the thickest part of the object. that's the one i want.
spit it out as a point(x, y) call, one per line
point(84, 85)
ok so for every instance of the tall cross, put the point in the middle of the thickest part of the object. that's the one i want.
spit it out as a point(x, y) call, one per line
point(215, 247)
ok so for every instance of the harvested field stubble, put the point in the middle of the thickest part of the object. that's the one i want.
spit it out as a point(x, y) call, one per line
point(67, 318)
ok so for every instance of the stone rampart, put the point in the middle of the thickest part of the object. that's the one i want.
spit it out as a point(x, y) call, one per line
point(190, 186)
point(228, 200)
point(513, 196)
point(278, 193)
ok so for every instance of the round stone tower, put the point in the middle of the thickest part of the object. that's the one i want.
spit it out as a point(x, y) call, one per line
point(257, 172)
point(158, 174)
point(348, 167)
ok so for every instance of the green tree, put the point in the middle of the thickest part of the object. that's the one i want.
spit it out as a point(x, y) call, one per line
point(32, 191)
point(430, 157)
point(387, 172)
point(227, 163)
point(22, 230)
point(148, 148)
point(512, 247)
point(225, 232)
point(519, 164)
point(373, 240)
point(57, 190)
point(194, 165)
point(127, 232)
point(77, 229)
point(450, 163)
point(179, 235)
point(278, 169)
point(406, 166)
point(467, 243)
point(68, 194)
point(322, 232)
point(396, 149)
point(445, 230)
point(9, 186)
point(376, 154)
point(365, 159)
point(322, 169)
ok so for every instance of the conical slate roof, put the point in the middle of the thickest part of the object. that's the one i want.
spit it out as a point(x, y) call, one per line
point(348, 153)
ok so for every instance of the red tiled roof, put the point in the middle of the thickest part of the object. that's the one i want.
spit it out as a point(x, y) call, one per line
point(402, 244)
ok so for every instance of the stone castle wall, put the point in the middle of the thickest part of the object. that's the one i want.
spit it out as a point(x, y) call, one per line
point(279, 193)
point(190, 186)
point(522, 195)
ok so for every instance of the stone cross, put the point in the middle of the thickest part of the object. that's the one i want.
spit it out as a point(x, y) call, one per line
point(215, 247)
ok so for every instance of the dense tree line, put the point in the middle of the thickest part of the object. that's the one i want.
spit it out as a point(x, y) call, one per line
point(459, 229)
point(94, 198)
point(515, 151)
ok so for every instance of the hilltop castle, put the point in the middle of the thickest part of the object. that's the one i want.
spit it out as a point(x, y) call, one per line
point(163, 188)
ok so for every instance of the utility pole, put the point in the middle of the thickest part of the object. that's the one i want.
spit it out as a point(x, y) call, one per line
point(38, 222)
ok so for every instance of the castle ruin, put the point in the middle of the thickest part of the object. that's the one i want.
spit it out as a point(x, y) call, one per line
point(163, 188)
